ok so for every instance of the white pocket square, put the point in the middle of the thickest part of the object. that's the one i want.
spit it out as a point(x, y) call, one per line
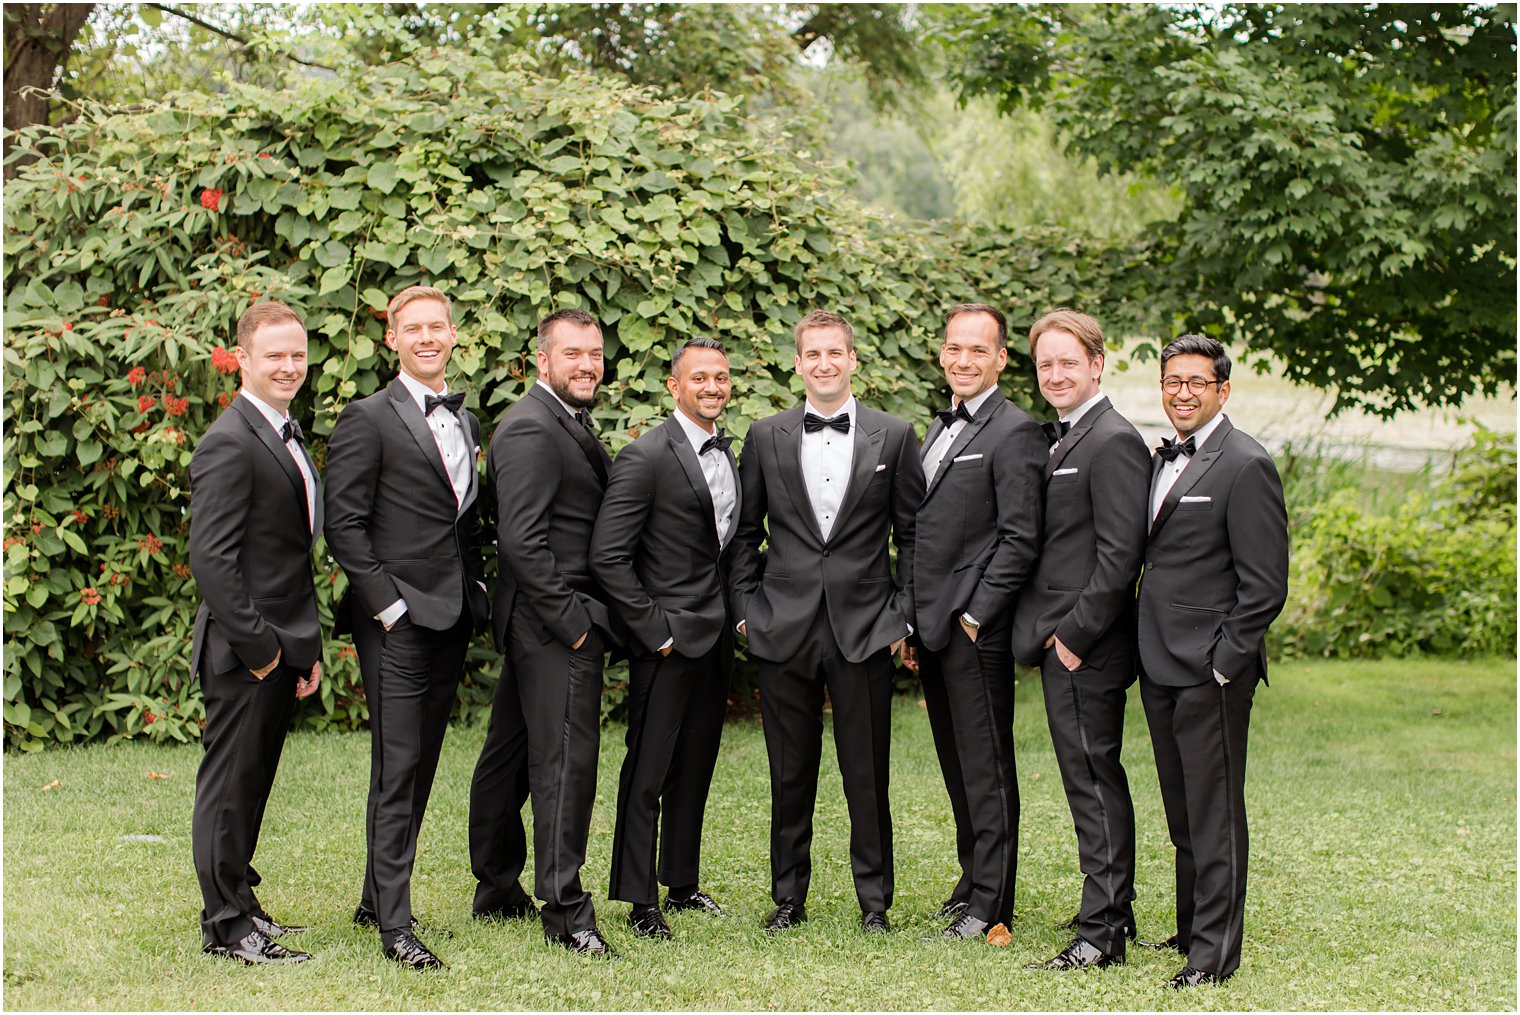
point(965, 458)
point(1197, 500)
point(1066, 472)
point(881, 468)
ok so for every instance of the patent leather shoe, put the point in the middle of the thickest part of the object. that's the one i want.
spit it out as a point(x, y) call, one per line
point(255, 949)
point(272, 928)
point(1080, 954)
point(696, 901)
point(646, 921)
point(412, 953)
point(951, 909)
point(963, 927)
point(524, 910)
point(1190, 977)
point(785, 916)
point(874, 921)
point(586, 942)
point(1170, 944)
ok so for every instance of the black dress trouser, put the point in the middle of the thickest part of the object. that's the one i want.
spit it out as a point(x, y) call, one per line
point(246, 723)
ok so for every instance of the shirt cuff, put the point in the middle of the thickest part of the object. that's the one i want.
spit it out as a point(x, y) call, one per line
point(739, 627)
point(668, 643)
point(969, 619)
point(391, 614)
point(1221, 678)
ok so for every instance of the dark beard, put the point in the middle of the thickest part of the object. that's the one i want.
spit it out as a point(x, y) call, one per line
point(563, 391)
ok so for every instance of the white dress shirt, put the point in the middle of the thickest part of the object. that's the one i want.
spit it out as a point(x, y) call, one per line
point(826, 459)
point(1167, 478)
point(278, 419)
point(720, 478)
point(947, 436)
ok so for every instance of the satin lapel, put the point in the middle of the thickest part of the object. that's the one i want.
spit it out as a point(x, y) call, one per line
point(990, 408)
point(867, 457)
point(733, 522)
point(1072, 439)
point(316, 489)
point(416, 425)
point(469, 449)
point(789, 455)
point(271, 440)
point(1195, 471)
point(692, 466)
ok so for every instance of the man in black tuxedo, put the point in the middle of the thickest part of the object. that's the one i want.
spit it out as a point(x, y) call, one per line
point(1215, 577)
point(403, 521)
point(659, 550)
point(828, 482)
point(978, 533)
point(255, 512)
point(553, 627)
point(1073, 623)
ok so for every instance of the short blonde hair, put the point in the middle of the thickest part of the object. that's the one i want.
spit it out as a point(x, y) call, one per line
point(824, 319)
point(260, 314)
point(1085, 329)
point(418, 292)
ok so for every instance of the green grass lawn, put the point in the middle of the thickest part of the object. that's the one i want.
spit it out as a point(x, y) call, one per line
point(1382, 801)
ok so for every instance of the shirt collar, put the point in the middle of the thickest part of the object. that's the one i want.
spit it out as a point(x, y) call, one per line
point(554, 395)
point(275, 416)
point(847, 409)
point(1203, 433)
point(695, 435)
point(1081, 410)
point(420, 391)
point(974, 404)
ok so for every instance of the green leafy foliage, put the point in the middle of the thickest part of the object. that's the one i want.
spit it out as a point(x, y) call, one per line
point(137, 238)
point(1348, 171)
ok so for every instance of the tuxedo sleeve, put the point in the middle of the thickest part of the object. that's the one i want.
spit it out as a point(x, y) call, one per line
point(221, 499)
point(1257, 524)
point(907, 495)
point(354, 461)
point(1018, 480)
point(528, 470)
point(625, 509)
point(744, 579)
point(1120, 488)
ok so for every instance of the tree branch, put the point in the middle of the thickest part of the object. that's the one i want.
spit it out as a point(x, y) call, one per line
point(224, 33)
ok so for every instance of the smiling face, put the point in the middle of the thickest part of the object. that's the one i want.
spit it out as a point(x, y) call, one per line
point(274, 362)
point(571, 362)
point(701, 385)
point(826, 362)
point(1189, 411)
point(1068, 377)
point(423, 337)
point(971, 356)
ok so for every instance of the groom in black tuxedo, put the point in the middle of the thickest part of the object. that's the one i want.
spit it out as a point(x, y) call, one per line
point(1215, 577)
point(255, 511)
point(977, 537)
point(553, 627)
point(660, 551)
point(402, 520)
point(1074, 622)
point(828, 483)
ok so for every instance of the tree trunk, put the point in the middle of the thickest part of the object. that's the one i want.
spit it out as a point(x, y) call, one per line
point(38, 38)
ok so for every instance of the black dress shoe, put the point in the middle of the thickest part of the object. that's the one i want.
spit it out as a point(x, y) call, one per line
point(786, 915)
point(1190, 977)
point(962, 928)
point(951, 909)
point(1080, 954)
point(256, 949)
point(272, 928)
point(874, 921)
point(586, 942)
point(410, 952)
point(698, 900)
point(524, 910)
point(366, 917)
point(1170, 944)
point(646, 921)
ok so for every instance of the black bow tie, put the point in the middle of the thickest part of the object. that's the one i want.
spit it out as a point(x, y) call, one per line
point(1055, 430)
point(949, 416)
point(584, 419)
point(451, 402)
point(1170, 449)
point(720, 440)
point(812, 423)
point(291, 430)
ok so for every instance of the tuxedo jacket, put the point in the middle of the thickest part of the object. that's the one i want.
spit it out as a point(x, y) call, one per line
point(849, 575)
point(1097, 496)
point(250, 547)
point(549, 473)
point(656, 549)
point(979, 524)
point(393, 522)
point(1216, 565)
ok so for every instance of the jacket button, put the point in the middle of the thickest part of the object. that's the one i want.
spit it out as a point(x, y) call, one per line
point(827, 552)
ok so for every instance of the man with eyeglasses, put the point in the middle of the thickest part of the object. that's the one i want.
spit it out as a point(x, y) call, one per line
point(1215, 577)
